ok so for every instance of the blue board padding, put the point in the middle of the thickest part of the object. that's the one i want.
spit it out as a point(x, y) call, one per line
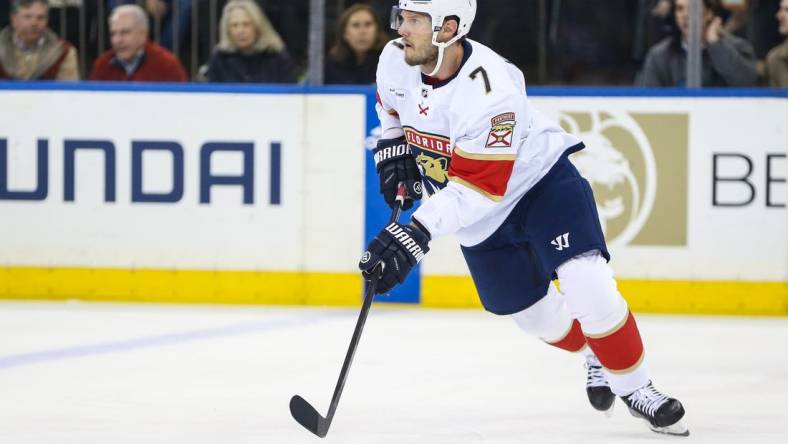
point(377, 214)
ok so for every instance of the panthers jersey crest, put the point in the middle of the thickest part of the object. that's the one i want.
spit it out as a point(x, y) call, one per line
point(433, 156)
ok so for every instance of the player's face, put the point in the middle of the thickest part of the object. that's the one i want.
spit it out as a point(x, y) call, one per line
point(416, 32)
point(241, 29)
point(30, 22)
point(360, 31)
point(782, 17)
point(682, 14)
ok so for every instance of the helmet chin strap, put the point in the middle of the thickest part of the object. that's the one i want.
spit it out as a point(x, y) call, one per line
point(441, 49)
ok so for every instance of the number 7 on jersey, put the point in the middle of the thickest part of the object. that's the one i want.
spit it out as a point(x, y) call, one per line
point(483, 72)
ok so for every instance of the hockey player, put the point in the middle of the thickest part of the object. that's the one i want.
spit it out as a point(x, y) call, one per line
point(456, 120)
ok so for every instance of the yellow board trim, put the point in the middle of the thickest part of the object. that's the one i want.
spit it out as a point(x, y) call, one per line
point(645, 296)
point(344, 289)
point(181, 286)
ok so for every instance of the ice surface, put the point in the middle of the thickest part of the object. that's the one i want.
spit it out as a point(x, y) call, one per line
point(127, 373)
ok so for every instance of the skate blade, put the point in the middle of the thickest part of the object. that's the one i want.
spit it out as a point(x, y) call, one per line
point(609, 412)
point(677, 429)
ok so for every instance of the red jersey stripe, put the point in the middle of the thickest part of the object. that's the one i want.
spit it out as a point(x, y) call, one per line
point(487, 174)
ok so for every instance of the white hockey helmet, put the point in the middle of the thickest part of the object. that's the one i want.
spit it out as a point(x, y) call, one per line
point(439, 11)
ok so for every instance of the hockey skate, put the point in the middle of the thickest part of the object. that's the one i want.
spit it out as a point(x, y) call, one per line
point(663, 414)
point(597, 387)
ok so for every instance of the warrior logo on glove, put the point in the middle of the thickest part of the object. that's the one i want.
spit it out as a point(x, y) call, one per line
point(407, 242)
point(395, 164)
point(384, 152)
point(397, 248)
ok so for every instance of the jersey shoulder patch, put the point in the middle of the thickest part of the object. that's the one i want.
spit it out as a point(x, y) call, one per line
point(501, 130)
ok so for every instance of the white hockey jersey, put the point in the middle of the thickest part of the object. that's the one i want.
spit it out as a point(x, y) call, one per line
point(479, 143)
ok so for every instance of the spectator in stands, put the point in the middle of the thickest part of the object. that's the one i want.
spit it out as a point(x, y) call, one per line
point(777, 60)
point(249, 50)
point(133, 57)
point(29, 50)
point(753, 20)
point(727, 60)
point(735, 17)
point(359, 41)
point(163, 11)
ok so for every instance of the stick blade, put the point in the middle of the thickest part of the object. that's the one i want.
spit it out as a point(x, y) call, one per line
point(307, 416)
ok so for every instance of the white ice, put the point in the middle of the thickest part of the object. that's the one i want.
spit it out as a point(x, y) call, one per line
point(126, 373)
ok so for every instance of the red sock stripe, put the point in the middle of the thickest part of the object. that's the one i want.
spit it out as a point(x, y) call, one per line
point(573, 341)
point(621, 349)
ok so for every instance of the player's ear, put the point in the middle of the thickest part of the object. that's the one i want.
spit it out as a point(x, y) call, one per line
point(450, 26)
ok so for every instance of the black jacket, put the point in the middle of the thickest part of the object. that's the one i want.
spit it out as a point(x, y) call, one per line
point(256, 67)
point(728, 62)
point(350, 72)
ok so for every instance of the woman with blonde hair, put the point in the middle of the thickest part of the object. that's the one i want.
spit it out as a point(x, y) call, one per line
point(359, 41)
point(249, 50)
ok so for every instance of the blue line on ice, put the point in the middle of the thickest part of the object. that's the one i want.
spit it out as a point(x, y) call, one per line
point(78, 351)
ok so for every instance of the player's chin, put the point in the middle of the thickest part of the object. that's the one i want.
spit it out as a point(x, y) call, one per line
point(411, 58)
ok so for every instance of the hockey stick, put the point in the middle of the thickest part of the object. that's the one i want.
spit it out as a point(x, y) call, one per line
point(302, 411)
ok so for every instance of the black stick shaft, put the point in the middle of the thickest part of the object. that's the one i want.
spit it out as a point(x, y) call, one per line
point(369, 295)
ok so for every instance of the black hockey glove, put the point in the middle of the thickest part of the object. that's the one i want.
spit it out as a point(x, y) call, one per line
point(396, 164)
point(397, 248)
